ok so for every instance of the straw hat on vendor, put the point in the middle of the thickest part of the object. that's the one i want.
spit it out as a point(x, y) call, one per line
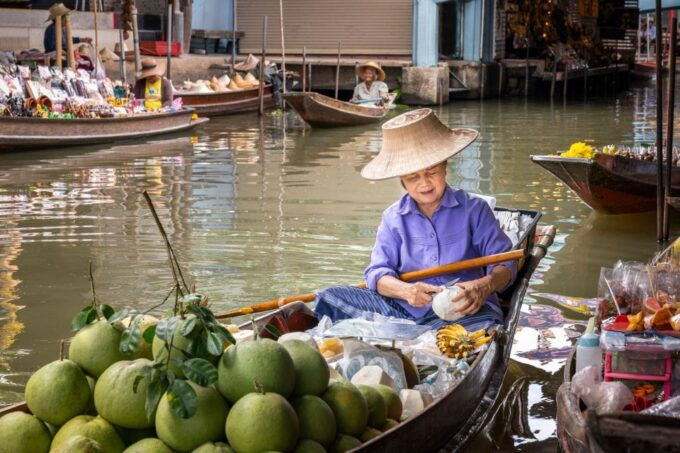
point(431, 225)
point(50, 35)
point(152, 86)
point(372, 88)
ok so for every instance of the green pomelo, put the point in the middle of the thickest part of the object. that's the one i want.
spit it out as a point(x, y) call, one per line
point(131, 436)
point(79, 444)
point(377, 408)
point(206, 425)
point(180, 348)
point(344, 443)
point(263, 361)
point(115, 398)
point(144, 351)
point(96, 347)
point(389, 424)
point(214, 447)
point(311, 369)
point(317, 421)
point(23, 433)
point(391, 397)
point(57, 392)
point(95, 428)
point(148, 445)
point(309, 446)
point(349, 406)
point(262, 421)
point(369, 434)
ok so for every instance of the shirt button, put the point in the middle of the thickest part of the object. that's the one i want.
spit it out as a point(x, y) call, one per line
point(434, 257)
point(431, 235)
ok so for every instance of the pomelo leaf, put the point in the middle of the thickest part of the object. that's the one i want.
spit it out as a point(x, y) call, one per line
point(273, 330)
point(200, 371)
point(182, 398)
point(192, 299)
point(214, 344)
point(165, 328)
point(84, 317)
point(198, 347)
point(130, 339)
point(224, 334)
point(107, 311)
point(143, 372)
point(153, 396)
point(149, 333)
point(189, 325)
point(117, 316)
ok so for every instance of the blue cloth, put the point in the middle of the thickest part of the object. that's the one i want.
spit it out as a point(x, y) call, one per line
point(50, 38)
point(462, 227)
point(349, 302)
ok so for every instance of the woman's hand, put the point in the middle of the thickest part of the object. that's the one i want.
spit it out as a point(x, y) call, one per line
point(475, 293)
point(419, 294)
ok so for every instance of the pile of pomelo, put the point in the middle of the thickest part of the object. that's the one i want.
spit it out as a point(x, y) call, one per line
point(266, 396)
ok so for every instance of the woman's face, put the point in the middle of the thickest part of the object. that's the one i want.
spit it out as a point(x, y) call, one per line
point(368, 75)
point(427, 186)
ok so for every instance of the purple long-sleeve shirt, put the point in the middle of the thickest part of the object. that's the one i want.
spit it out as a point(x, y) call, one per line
point(462, 227)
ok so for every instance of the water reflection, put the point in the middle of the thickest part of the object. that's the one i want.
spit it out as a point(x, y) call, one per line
point(262, 207)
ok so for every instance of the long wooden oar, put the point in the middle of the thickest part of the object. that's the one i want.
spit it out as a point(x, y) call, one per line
point(408, 276)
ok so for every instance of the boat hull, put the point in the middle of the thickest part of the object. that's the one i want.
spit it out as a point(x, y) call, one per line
point(216, 104)
point(18, 133)
point(609, 184)
point(322, 111)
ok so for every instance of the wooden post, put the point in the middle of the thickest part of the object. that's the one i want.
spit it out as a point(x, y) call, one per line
point(233, 35)
point(310, 78)
point(669, 128)
point(585, 78)
point(95, 57)
point(659, 124)
point(135, 40)
point(500, 78)
point(58, 31)
point(554, 79)
point(356, 76)
point(337, 72)
point(70, 60)
point(283, 48)
point(566, 81)
point(168, 39)
point(304, 68)
point(260, 110)
point(121, 62)
point(526, 67)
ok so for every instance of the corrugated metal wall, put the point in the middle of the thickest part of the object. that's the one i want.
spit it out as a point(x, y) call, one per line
point(370, 27)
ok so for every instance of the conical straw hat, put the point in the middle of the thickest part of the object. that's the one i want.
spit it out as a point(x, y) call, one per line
point(370, 64)
point(415, 141)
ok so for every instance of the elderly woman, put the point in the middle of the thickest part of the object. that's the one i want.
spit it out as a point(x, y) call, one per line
point(372, 90)
point(432, 224)
point(151, 86)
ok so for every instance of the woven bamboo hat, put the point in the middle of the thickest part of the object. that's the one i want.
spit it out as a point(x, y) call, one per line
point(414, 141)
point(56, 10)
point(370, 64)
point(151, 67)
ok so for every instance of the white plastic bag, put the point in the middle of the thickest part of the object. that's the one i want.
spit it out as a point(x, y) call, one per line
point(604, 397)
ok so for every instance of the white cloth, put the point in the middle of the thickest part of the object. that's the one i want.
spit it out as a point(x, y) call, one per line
point(378, 90)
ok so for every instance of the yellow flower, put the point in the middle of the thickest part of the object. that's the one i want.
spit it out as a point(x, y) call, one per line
point(580, 149)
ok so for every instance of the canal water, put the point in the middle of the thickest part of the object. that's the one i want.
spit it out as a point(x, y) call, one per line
point(258, 208)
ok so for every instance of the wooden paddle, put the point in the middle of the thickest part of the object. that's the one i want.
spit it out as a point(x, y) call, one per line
point(415, 275)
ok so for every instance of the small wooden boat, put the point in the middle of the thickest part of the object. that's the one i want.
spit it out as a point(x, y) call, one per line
point(451, 421)
point(225, 103)
point(610, 184)
point(18, 132)
point(581, 430)
point(322, 111)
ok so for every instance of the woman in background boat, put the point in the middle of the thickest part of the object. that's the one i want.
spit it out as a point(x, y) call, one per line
point(431, 225)
point(50, 35)
point(151, 86)
point(372, 91)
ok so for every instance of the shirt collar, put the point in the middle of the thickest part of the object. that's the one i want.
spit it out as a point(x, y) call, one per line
point(409, 206)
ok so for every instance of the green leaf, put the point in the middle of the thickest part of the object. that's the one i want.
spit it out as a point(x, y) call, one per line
point(149, 333)
point(153, 396)
point(205, 311)
point(223, 332)
point(117, 316)
point(200, 371)
point(192, 299)
point(189, 325)
point(165, 328)
point(107, 311)
point(198, 348)
point(144, 372)
point(214, 344)
point(273, 330)
point(130, 339)
point(182, 398)
point(83, 318)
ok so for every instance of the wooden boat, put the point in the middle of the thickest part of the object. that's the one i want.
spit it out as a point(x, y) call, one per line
point(322, 111)
point(608, 183)
point(452, 420)
point(17, 132)
point(224, 103)
point(581, 430)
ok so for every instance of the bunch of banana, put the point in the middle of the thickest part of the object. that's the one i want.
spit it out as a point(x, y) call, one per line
point(456, 342)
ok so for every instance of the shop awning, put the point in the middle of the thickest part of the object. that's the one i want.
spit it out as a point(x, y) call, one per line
point(648, 6)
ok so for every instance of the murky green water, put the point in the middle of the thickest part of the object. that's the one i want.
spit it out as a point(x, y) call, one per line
point(259, 208)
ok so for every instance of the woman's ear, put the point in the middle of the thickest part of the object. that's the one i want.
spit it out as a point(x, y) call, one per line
point(401, 181)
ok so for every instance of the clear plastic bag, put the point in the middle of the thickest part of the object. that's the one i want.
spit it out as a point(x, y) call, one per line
point(604, 397)
point(668, 408)
point(358, 354)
